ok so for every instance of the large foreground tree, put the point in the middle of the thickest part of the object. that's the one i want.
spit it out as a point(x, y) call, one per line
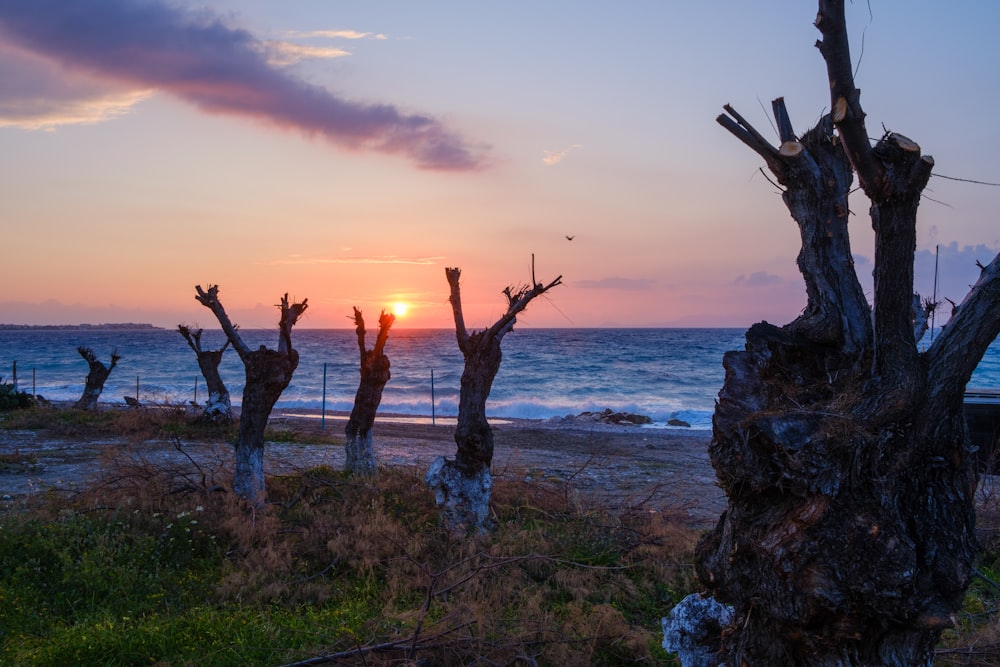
point(96, 377)
point(268, 373)
point(358, 443)
point(462, 486)
point(218, 408)
point(842, 448)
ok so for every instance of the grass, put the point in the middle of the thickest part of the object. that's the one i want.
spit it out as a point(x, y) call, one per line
point(358, 571)
point(141, 570)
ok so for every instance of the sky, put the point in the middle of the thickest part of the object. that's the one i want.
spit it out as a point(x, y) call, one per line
point(348, 152)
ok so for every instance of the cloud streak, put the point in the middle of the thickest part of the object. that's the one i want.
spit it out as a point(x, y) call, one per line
point(615, 283)
point(388, 259)
point(220, 69)
point(555, 157)
point(757, 279)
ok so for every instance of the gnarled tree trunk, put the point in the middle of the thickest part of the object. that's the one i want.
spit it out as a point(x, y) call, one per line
point(96, 377)
point(462, 487)
point(843, 450)
point(268, 373)
point(218, 408)
point(359, 450)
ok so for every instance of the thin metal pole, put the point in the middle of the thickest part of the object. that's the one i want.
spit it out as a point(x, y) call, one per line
point(196, 390)
point(937, 251)
point(322, 417)
point(433, 422)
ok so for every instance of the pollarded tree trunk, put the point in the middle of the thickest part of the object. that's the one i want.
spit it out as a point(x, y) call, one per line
point(358, 444)
point(462, 487)
point(268, 373)
point(218, 407)
point(96, 377)
point(849, 533)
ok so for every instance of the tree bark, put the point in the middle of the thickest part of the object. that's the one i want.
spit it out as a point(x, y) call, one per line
point(462, 487)
point(358, 444)
point(96, 377)
point(843, 451)
point(218, 408)
point(268, 373)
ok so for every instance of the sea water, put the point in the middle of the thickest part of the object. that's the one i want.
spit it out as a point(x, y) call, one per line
point(666, 374)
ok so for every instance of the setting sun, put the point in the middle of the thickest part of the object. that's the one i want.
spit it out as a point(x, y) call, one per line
point(399, 309)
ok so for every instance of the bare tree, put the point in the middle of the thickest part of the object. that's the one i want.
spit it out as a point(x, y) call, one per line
point(268, 373)
point(849, 536)
point(218, 407)
point(96, 377)
point(462, 487)
point(375, 374)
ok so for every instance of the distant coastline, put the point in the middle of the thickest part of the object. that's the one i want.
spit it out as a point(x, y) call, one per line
point(110, 326)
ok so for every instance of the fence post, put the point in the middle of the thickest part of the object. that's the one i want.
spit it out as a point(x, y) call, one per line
point(196, 390)
point(322, 414)
point(433, 421)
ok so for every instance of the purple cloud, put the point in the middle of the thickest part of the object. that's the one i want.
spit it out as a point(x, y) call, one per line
point(757, 279)
point(220, 69)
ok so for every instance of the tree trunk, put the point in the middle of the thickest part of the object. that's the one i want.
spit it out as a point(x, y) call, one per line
point(358, 443)
point(218, 408)
point(96, 377)
point(268, 373)
point(462, 487)
point(843, 451)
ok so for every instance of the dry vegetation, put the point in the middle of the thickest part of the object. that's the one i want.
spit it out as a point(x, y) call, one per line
point(157, 563)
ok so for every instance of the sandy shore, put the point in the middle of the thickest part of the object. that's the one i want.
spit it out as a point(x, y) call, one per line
point(614, 466)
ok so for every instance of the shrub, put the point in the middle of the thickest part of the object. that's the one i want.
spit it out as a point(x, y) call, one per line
point(12, 399)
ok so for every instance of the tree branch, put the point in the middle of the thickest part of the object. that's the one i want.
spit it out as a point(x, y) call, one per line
point(359, 330)
point(290, 314)
point(453, 275)
point(845, 98)
point(518, 300)
point(210, 299)
point(745, 132)
point(385, 322)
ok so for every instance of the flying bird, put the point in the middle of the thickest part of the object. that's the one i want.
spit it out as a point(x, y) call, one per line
point(570, 238)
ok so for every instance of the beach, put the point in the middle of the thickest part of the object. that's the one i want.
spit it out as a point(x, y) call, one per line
point(664, 470)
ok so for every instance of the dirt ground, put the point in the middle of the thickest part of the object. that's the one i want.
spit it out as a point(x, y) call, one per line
point(614, 466)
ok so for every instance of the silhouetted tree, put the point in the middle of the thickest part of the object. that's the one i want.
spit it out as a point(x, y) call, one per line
point(462, 487)
point(218, 407)
point(849, 535)
point(96, 377)
point(360, 452)
point(268, 373)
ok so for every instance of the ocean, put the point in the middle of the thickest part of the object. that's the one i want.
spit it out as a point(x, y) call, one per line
point(662, 373)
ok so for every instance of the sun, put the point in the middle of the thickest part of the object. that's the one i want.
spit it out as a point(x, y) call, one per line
point(399, 308)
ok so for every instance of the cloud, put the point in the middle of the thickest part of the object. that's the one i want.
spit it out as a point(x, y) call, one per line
point(334, 34)
point(624, 284)
point(36, 94)
point(555, 157)
point(289, 53)
point(388, 259)
point(757, 279)
point(144, 45)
